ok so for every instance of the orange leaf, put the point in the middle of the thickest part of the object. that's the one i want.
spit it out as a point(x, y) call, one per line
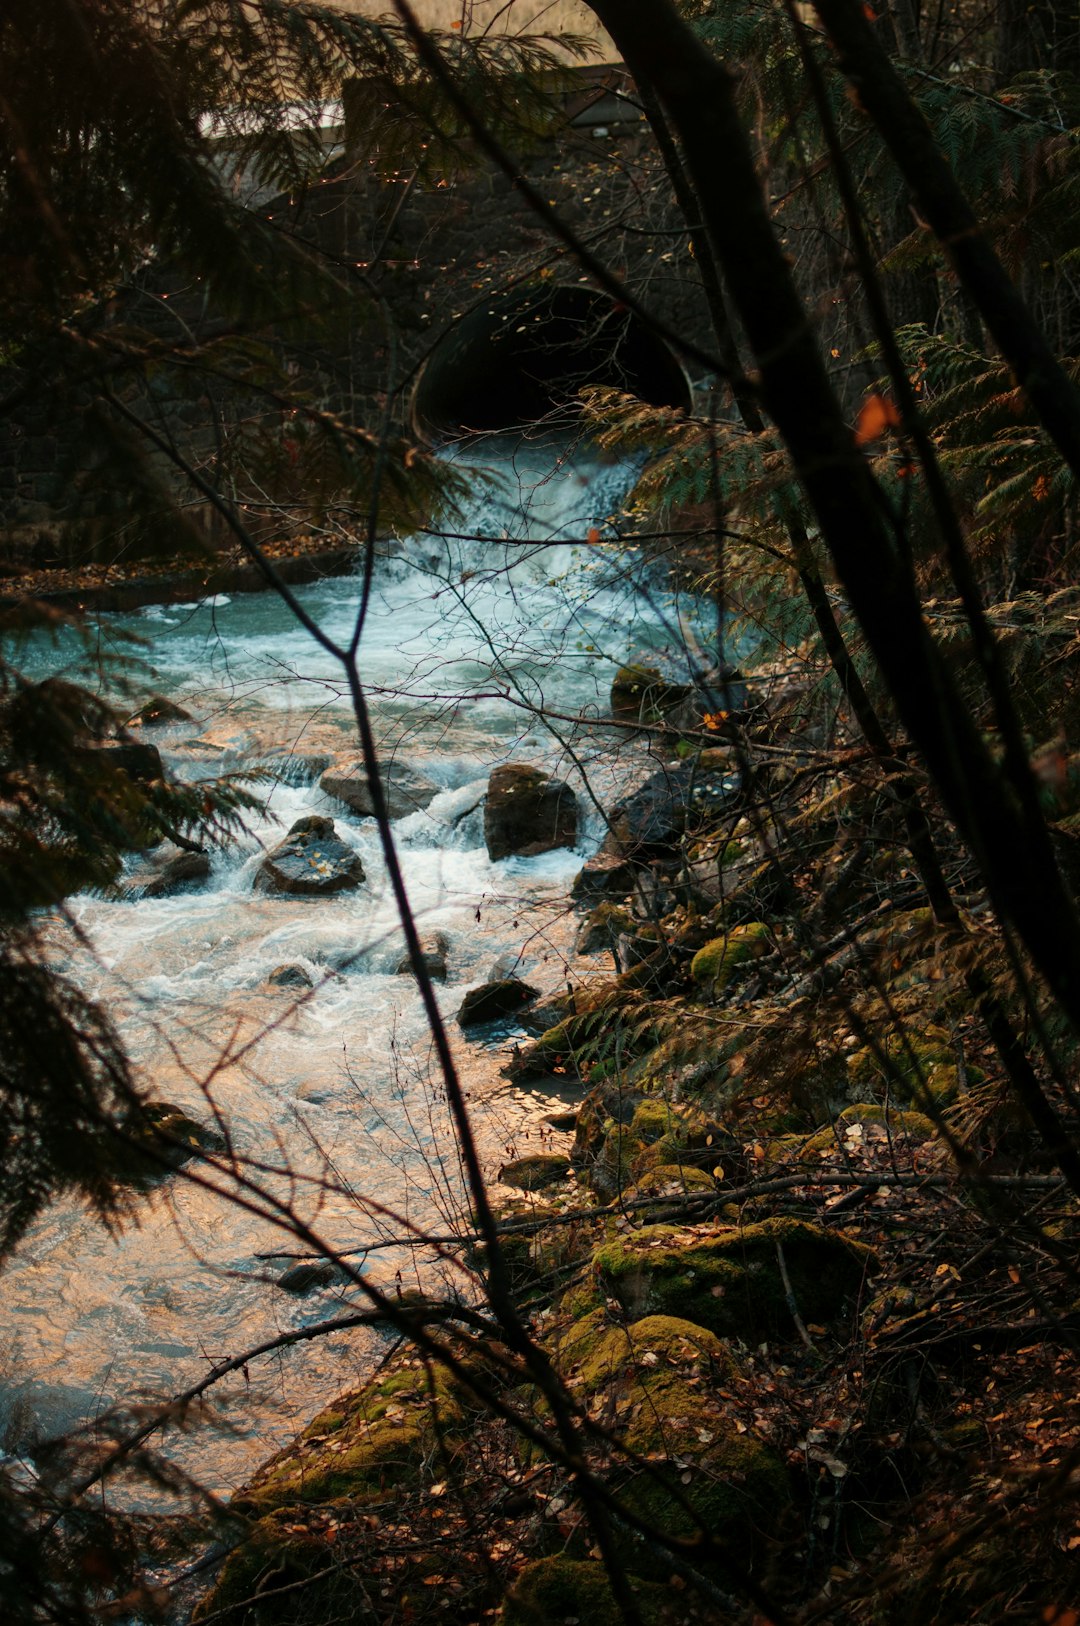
point(876, 414)
point(592, 534)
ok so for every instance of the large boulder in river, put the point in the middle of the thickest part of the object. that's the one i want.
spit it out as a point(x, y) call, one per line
point(527, 812)
point(311, 862)
point(406, 789)
point(654, 817)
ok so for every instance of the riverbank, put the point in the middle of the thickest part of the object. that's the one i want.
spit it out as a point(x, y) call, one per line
point(806, 1278)
point(93, 588)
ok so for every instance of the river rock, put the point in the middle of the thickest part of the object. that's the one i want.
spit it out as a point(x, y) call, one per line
point(536, 1171)
point(406, 789)
point(163, 1138)
point(312, 861)
point(655, 816)
point(494, 999)
point(526, 812)
point(289, 976)
point(141, 762)
point(641, 693)
point(434, 948)
point(604, 875)
point(158, 710)
point(307, 1276)
point(180, 873)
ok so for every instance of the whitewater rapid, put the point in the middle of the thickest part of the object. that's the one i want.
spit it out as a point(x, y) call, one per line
point(330, 1100)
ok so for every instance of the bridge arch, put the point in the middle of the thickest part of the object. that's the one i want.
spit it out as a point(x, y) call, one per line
point(521, 359)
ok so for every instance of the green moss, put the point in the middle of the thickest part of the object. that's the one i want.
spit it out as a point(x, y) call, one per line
point(914, 1125)
point(670, 1180)
point(612, 1170)
point(376, 1438)
point(551, 1591)
point(652, 1120)
point(664, 1381)
point(714, 966)
point(729, 1279)
point(277, 1553)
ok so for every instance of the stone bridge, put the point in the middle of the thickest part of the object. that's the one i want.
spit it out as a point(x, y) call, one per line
point(479, 319)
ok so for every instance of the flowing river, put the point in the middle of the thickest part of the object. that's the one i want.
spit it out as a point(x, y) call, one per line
point(332, 1101)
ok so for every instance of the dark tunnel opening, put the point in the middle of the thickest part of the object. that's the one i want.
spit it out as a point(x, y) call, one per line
point(521, 360)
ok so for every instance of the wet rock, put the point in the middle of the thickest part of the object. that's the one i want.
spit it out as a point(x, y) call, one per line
point(527, 812)
point(494, 999)
point(407, 790)
point(139, 761)
point(605, 875)
point(434, 948)
point(297, 767)
point(307, 1276)
point(641, 693)
point(312, 861)
point(164, 1138)
point(289, 976)
point(535, 1172)
point(567, 1121)
point(178, 874)
point(668, 805)
point(159, 709)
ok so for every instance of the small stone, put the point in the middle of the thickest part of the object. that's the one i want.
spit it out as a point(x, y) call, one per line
point(434, 949)
point(494, 999)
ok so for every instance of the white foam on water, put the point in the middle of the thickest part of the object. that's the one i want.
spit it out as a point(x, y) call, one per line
point(466, 637)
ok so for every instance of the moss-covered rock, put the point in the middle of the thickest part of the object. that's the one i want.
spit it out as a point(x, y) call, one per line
point(667, 1389)
point(535, 1172)
point(850, 1125)
point(372, 1440)
point(671, 1180)
point(612, 1170)
point(917, 1068)
point(729, 1279)
point(602, 928)
point(279, 1556)
point(552, 1591)
point(714, 966)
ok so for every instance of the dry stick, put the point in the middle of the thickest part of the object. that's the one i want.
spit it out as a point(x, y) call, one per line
point(1016, 857)
point(792, 1302)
